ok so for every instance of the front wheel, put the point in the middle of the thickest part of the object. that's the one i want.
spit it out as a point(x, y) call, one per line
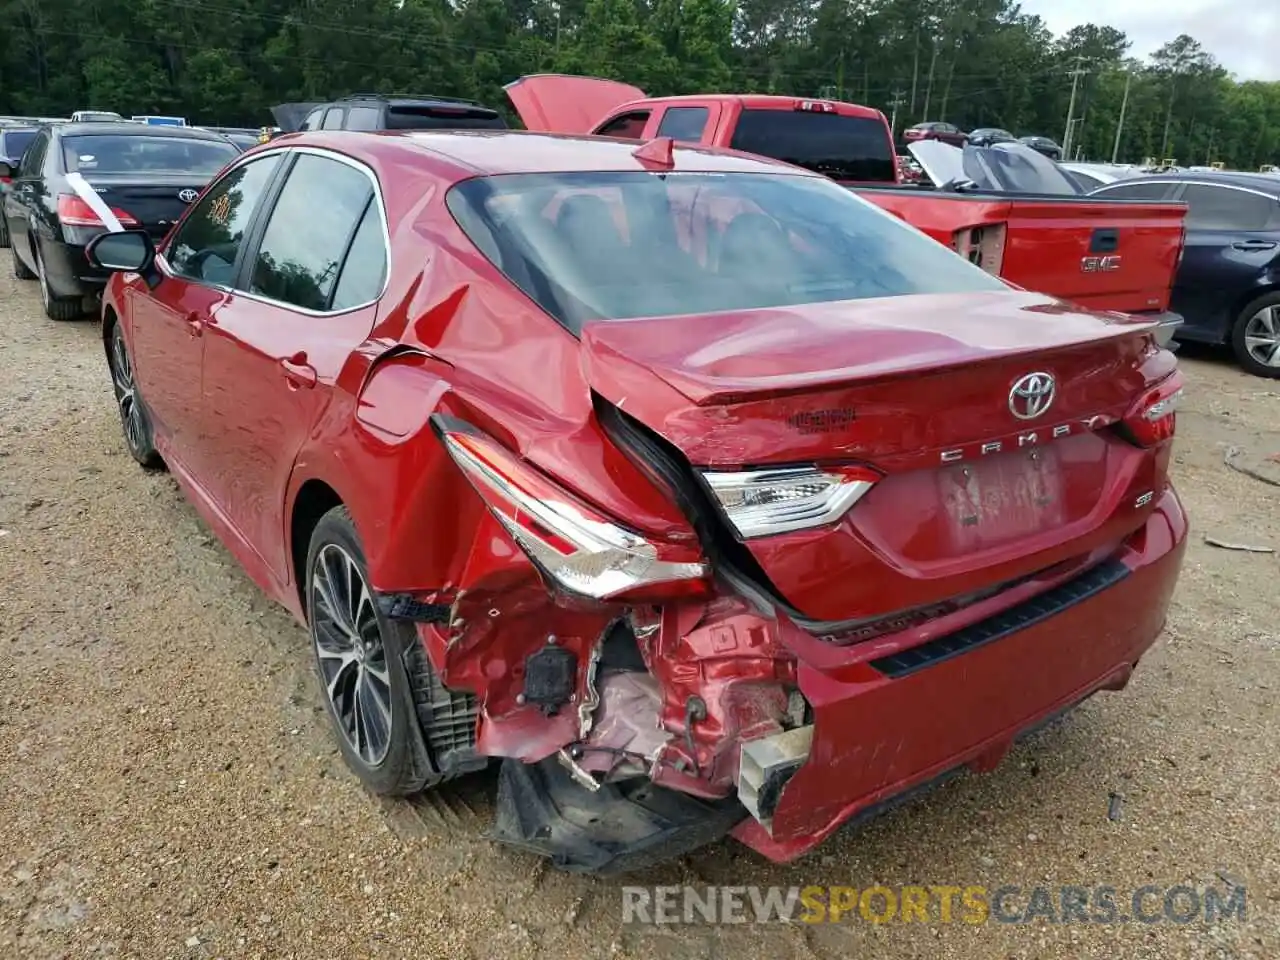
point(1255, 337)
point(134, 421)
point(360, 659)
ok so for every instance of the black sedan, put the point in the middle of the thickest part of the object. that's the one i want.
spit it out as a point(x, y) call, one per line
point(76, 179)
point(1228, 284)
point(13, 144)
point(1045, 145)
point(985, 136)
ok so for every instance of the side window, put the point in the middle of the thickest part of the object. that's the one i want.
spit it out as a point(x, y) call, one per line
point(684, 123)
point(363, 118)
point(207, 244)
point(312, 122)
point(33, 157)
point(333, 119)
point(1134, 191)
point(365, 268)
point(308, 232)
point(629, 126)
point(1220, 208)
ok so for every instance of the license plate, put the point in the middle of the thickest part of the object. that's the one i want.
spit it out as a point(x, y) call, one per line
point(1002, 498)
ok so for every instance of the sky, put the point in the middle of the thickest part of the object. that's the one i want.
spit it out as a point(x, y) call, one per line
point(1244, 35)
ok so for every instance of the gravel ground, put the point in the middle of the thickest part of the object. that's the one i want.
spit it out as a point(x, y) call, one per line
point(170, 789)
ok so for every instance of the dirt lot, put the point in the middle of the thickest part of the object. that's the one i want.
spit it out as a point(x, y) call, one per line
point(168, 787)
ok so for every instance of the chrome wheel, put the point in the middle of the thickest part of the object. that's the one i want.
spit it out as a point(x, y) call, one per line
point(135, 431)
point(1262, 336)
point(350, 653)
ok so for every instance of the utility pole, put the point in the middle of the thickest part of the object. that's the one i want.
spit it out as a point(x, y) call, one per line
point(1124, 105)
point(896, 102)
point(1076, 74)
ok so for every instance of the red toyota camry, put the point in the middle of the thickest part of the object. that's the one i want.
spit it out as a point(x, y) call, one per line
point(703, 495)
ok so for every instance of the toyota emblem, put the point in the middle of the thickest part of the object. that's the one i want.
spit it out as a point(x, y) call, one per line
point(1032, 395)
point(188, 195)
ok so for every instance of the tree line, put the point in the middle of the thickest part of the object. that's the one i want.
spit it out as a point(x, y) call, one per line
point(970, 62)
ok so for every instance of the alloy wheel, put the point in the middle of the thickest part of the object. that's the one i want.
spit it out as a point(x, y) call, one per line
point(126, 391)
point(351, 654)
point(1262, 336)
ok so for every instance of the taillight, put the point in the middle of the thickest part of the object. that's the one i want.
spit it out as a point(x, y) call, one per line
point(761, 503)
point(1154, 418)
point(74, 212)
point(580, 549)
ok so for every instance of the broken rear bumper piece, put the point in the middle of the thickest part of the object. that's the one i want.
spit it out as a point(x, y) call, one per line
point(881, 720)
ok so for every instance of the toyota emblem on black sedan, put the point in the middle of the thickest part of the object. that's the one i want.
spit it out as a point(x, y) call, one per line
point(1031, 396)
point(188, 195)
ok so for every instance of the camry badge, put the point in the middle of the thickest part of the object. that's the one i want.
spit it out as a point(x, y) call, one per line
point(1032, 395)
point(188, 195)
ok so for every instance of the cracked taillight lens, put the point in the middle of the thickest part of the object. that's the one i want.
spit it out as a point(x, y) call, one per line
point(1154, 418)
point(761, 503)
point(581, 550)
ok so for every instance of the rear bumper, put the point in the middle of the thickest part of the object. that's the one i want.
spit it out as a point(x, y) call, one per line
point(69, 271)
point(912, 720)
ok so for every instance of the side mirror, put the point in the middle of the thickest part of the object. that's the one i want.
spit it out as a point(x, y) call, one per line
point(7, 170)
point(130, 251)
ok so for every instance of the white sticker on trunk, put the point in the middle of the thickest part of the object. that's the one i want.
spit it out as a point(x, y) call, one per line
point(90, 196)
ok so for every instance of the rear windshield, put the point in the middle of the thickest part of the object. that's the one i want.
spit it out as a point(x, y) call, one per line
point(13, 143)
point(442, 118)
point(122, 153)
point(840, 147)
point(613, 246)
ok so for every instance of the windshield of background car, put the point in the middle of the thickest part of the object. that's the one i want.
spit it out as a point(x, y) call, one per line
point(614, 246)
point(122, 153)
point(837, 146)
point(13, 143)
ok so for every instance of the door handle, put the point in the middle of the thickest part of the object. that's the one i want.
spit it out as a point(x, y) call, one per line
point(1254, 244)
point(195, 324)
point(300, 374)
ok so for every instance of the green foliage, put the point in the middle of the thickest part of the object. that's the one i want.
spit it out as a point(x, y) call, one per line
point(972, 62)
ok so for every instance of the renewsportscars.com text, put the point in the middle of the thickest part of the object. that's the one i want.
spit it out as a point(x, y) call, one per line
point(972, 904)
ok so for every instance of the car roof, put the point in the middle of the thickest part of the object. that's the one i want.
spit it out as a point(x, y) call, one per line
point(1253, 181)
point(462, 154)
point(128, 128)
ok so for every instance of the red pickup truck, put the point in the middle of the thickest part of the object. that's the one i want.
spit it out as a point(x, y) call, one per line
point(1102, 254)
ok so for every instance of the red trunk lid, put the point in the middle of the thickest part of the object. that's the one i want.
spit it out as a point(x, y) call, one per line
point(919, 389)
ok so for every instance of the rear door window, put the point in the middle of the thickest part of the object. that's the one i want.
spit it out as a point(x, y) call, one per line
point(629, 126)
point(1215, 207)
point(1135, 191)
point(333, 119)
point(33, 158)
point(841, 147)
point(308, 233)
point(363, 118)
point(684, 123)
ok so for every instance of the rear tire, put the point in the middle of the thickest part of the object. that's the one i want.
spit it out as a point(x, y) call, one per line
point(360, 662)
point(4, 231)
point(56, 308)
point(20, 269)
point(1255, 337)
